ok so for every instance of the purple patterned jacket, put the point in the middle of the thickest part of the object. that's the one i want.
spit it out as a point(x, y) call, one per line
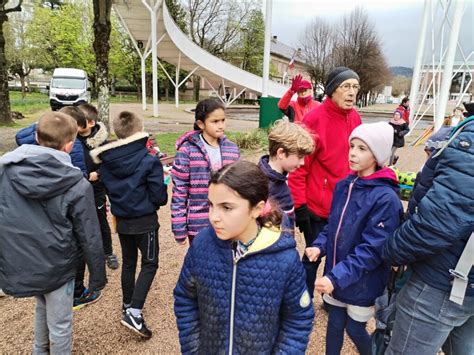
point(190, 175)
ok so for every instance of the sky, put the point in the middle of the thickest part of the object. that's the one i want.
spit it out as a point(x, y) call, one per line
point(397, 23)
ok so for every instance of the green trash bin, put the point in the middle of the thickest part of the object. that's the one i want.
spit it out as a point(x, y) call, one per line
point(269, 111)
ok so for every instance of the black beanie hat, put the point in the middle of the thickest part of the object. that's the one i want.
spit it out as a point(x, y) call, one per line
point(469, 108)
point(337, 76)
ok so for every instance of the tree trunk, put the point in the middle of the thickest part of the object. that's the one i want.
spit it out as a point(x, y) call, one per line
point(102, 28)
point(196, 87)
point(23, 86)
point(167, 90)
point(112, 85)
point(5, 112)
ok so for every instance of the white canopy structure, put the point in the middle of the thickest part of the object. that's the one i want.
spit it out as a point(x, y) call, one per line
point(154, 32)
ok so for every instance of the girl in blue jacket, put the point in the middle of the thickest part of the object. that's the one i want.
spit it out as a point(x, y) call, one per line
point(365, 211)
point(242, 286)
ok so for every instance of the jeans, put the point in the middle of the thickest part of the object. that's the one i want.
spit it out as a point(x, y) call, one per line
point(101, 205)
point(53, 321)
point(311, 268)
point(426, 319)
point(338, 320)
point(135, 292)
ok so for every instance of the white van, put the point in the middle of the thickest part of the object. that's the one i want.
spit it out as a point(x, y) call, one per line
point(68, 87)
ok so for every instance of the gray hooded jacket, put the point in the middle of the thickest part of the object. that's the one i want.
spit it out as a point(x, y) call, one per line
point(47, 216)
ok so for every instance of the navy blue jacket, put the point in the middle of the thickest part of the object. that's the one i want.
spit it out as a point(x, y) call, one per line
point(132, 176)
point(27, 135)
point(434, 236)
point(279, 190)
point(273, 310)
point(366, 211)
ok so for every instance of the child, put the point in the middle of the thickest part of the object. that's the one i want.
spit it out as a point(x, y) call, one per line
point(198, 153)
point(134, 182)
point(288, 144)
point(365, 211)
point(47, 217)
point(93, 134)
point(457, 117)
point(27, 135)
point(400, 129)
point(242, 286)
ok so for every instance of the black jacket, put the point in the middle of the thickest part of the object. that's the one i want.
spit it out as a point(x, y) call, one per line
point(399, 133)
point(47, 215)
point(132, 176)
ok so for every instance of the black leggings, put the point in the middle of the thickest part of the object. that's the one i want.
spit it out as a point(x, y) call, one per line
point(135, 292)
point(100, 203)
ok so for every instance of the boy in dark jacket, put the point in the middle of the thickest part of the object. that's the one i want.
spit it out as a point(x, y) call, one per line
point(39, 185)
point(288, 144)
point(136, 189)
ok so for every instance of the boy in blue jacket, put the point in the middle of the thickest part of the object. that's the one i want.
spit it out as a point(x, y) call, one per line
point(365, 211)
point(288, 144)
point(134, 181)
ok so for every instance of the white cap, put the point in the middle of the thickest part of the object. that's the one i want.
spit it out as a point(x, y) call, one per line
point(378, 137)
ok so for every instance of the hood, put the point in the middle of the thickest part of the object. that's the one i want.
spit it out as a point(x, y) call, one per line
point(269, 240)
point(39, 172)
point(122, 156)
point(98, 136)
point(267, 169)
point(190, 136)
point(384, 176)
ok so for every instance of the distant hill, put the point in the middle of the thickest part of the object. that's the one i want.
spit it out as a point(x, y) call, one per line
point(402, 71)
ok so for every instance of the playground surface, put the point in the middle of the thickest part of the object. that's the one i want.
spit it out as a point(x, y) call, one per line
point(97, 327)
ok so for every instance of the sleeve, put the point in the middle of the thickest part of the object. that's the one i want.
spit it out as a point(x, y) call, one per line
point(179, 201)
point(77, 157)
point(404, 131)
point(82, 212)
point(444, 215)
point(297, 313)
point(156, 184)
point(367, 256)
point(285, 101)
point(26, 135)
point(186, 308)
point(321, 241)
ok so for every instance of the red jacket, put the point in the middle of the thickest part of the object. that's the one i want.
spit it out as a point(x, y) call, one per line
point(406, 113)
point(293, 109)
point(314, 182)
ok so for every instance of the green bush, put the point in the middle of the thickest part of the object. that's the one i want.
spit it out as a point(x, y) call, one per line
point(253, 140)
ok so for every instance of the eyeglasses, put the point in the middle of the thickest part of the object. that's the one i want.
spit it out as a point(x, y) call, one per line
point(347, 87)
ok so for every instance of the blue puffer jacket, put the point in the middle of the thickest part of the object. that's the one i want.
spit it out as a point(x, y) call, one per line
point(132, 176)
point(272, 310)
point(364, 213)
point(433, 237)
point(27, 135)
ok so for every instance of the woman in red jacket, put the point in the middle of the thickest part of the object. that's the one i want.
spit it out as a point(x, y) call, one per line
point(295, 110)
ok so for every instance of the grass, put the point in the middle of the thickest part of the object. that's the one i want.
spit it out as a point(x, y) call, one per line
point(32, 103)
point(167, 141)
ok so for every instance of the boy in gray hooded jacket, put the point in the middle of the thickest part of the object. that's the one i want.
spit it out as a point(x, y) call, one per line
point(47, 219)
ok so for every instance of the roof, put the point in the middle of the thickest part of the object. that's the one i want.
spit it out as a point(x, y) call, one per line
point(283, 50)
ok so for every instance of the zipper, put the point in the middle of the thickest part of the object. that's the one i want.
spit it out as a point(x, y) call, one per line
point(232, 303)
point(340, 220)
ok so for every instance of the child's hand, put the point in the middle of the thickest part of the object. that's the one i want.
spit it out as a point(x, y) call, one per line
point(324, 285)
point(182, 242)
point(312, 253)
point(93, 176)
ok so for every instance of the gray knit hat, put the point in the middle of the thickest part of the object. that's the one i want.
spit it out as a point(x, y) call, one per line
point(337, 76)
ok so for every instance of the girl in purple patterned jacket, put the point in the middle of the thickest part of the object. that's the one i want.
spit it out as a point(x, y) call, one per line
point(199, 152)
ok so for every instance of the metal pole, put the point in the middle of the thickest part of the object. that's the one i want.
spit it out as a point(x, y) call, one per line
point(143, 59)
point(266, 48)
point(448, 66)
point(176, 84)
point(415, 82)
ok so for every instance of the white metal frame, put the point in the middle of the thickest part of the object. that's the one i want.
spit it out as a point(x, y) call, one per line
point(441, 68)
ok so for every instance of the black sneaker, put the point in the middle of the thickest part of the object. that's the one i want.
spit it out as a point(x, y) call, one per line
point(136, 324)
point(86, 298)
point(112, 261)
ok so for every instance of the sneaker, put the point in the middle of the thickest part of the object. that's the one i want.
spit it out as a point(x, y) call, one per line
point(112, 261)
point(86, 298)
point(136, 324)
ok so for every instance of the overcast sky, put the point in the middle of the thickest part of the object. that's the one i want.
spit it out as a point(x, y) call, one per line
point(397, 23)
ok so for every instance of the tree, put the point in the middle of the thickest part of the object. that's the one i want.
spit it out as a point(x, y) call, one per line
point(18, 48)
point(5, 111)
point(249, 50)
point(400, 85)
point(317, 46)
point(102, 28)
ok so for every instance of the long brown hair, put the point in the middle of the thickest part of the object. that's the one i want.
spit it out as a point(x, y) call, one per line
point(250, 183)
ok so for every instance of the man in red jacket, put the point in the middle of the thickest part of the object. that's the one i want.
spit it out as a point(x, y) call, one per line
point(312, 185)
point(295, 110)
